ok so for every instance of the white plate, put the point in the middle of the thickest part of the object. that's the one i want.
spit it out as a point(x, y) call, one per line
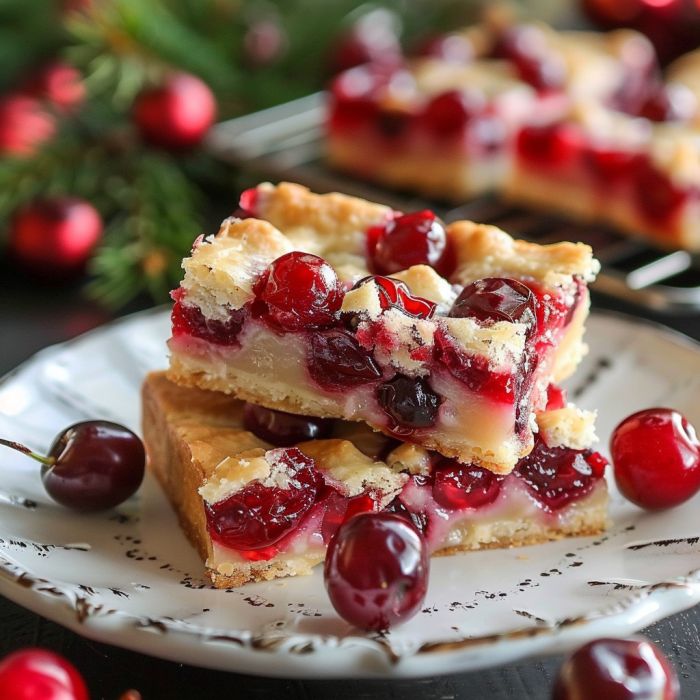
point(130, 578)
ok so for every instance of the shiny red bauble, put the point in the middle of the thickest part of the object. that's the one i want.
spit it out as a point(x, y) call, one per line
point(37, 674)
point(376, 570)
point(59, 83)
point(24, 125)
point(54, 238)
point(656, 458)
point(617, 669)
point(176, 114)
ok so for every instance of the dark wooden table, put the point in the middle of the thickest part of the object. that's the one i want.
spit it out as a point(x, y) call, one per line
point(31, 318)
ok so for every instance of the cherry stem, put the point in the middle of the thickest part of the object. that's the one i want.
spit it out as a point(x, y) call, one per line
point(48, 461)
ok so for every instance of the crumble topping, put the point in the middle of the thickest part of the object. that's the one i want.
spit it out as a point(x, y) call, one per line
point(568, 427)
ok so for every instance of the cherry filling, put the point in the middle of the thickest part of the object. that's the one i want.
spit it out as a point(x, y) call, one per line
point(410, 402)
point(260, 515)
point(656, 196)
point(394, 294)
point(558, 475)
point(610, 165)
point(457, 486)
point(448, 113)
point(553, 145)
point(284, 429)
point(336, 361)
point(298, 291)
point(452, 48)
point(418, 238)
point(189, 320)
point(339, 509)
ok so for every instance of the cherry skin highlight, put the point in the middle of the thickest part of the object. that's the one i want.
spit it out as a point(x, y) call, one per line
point(376, 571)
point(284, 429)
point(298, 291)
point(617, 669)
point(457, 486)
point(656, 458)
point(38, 674)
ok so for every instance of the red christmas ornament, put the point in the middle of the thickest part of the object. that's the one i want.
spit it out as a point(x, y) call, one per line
point(53, 238)
point(264, 42)
point(177, 114)
point(37, 674)
point(24, 125)
point(58, 83)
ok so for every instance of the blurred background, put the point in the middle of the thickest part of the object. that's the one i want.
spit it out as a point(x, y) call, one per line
point(105, 104)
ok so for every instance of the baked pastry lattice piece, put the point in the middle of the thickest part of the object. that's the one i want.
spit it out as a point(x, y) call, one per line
point(221, 480)
point(457, 361)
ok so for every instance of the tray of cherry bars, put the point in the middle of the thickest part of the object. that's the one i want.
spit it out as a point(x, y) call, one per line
point(586, 141)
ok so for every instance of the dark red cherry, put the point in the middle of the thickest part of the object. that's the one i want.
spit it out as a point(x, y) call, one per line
point(669, 103)
point(189, 320)
point(394, 294)
point(656, 458)
point(418, 238)
point(376, 571)
point(558, 475)
point(354, 98)
point(247, 204)
point(410, 402)
point(610, 164)
point(656, 195)
point(555, 145)
point(284, 429)
point(451, 48)
point(494, 299)
point(419, 520)
point(556, 397)
point(93, 465)
point(339, 508)
point(449, 112)
point(336, 361)
point(617, 669)
point(39, 674)
point(298, 291)
point(262, 513)
point(457, 486)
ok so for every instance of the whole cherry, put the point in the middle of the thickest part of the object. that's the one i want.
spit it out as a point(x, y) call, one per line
point(656, 458)
point(91, 466)
point(376, 570)
point(39, 674)
point(617, 669)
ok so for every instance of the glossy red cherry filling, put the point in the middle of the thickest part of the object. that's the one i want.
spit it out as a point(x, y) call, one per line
point(354, 97)
point(394, 294)
point(336, 361)
point(260, 515)
point(558, 475)
point(610, 165)
point(457, 486)
point(656, 196)
point(284, 429)
point(298, 291)
point(189, 320)
point(494, 299)
point(553, 146)
point(418, 238)
point(556, 398)
point(669, 103)
point(410, 402)
point(448, 113)
point(338, 509)
point(247, 204)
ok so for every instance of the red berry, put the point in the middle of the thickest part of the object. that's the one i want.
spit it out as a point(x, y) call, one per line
point(336, 361)
point(670, 103)
point(261, 513)
point(611, 165)
point(189, 320)
point(412, 239)
point(284, 429)
point(494, 299)
point(376, 571)
point(97, 465)
point(656, 195)
point(656, 458)
point(557, 475)
point(617, 669)
point(298, 291)
point(339, 509)
point(53, 238)
point(556, 397)
point(24, 125)
point(58, 83)
point(457, 486)
point(354, 93)
point(177, 114)
point(410, 402)
point(448, 113)
point(555, 145)
point(37, 674)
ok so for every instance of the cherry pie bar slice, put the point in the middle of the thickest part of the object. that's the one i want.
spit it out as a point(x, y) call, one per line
point(257, 512)
point(572, 121)
point(332, 306)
